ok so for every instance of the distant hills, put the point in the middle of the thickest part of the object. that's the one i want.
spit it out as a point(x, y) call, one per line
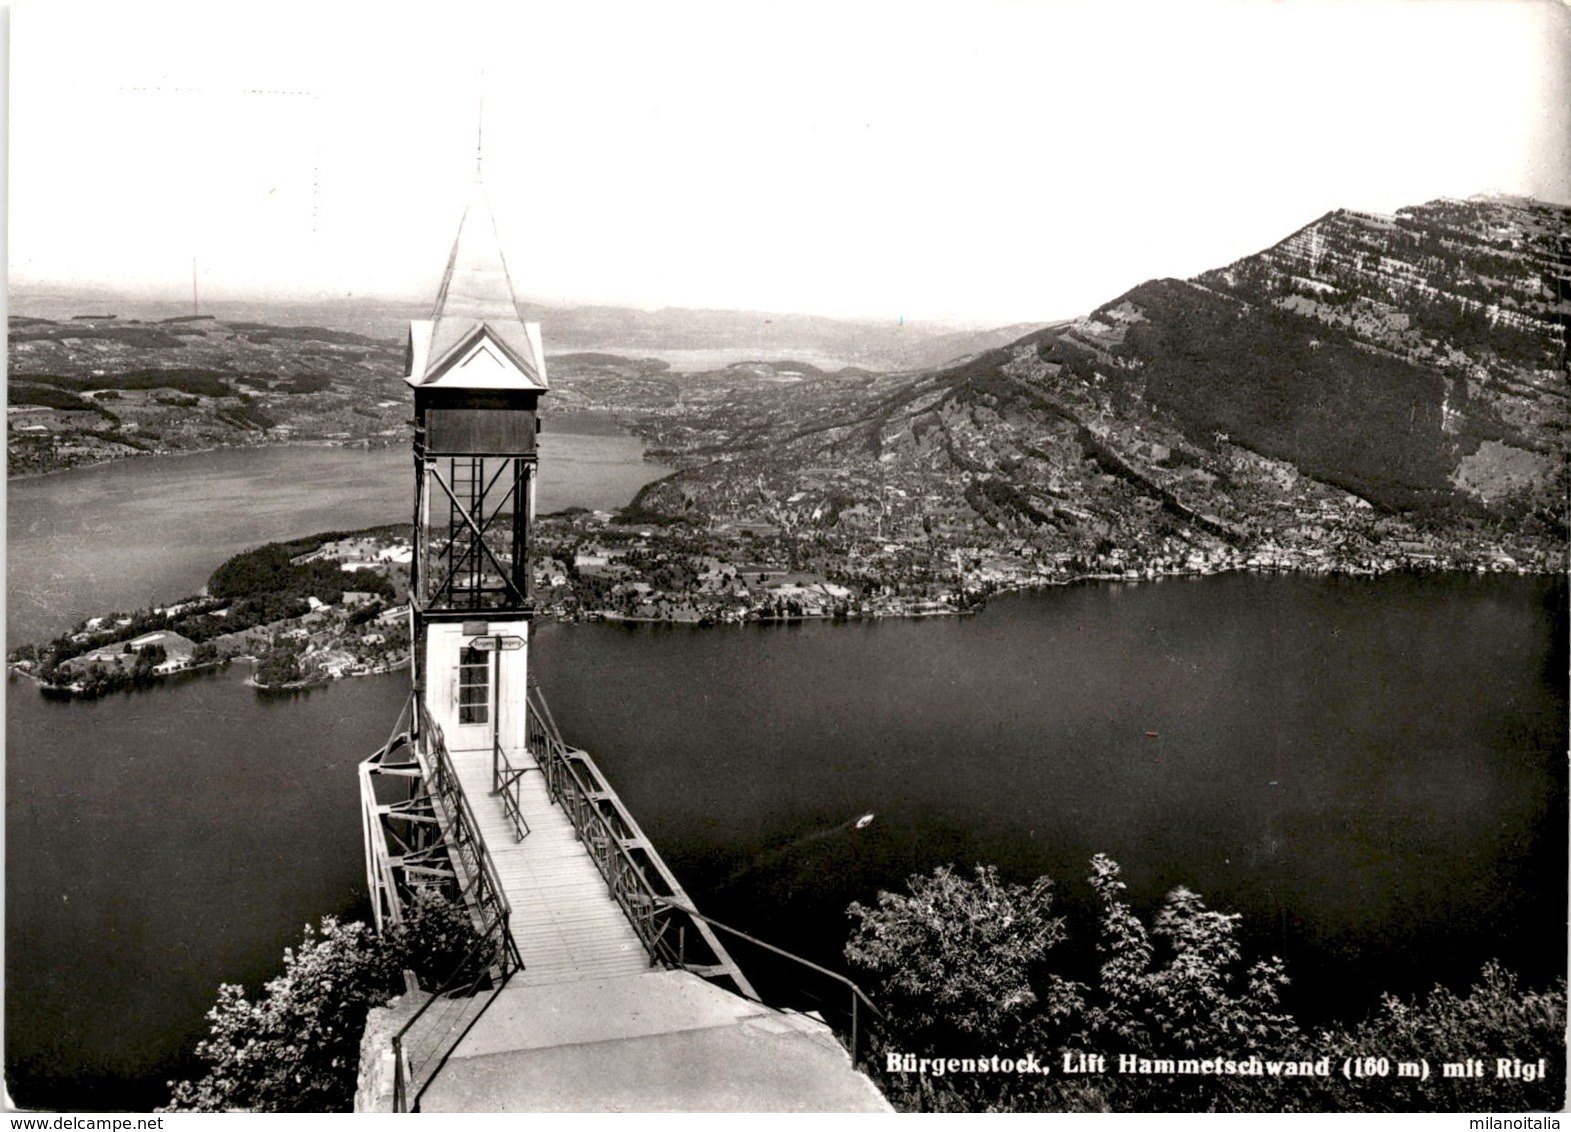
point(105, 387)
point(1417, 360)
point(94, 375)
point(877, 345)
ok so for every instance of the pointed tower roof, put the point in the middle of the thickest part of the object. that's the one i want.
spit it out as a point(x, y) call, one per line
point(475, 302)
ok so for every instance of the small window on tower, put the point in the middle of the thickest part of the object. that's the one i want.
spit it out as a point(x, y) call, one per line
point(474, 686)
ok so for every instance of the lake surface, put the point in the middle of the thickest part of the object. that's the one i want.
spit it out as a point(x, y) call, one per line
point(137, 532)
point(157, 845)
point(1372, 772)
point(707, 360)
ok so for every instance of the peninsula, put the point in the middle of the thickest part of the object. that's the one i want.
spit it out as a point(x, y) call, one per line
point(305, 611)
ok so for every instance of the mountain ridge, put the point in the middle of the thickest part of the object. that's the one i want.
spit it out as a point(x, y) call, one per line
point(1368, 391)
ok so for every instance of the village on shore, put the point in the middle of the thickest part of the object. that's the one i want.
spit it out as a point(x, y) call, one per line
point(596, 566)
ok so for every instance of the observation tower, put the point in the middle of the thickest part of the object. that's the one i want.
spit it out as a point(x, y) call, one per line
point(592, 982)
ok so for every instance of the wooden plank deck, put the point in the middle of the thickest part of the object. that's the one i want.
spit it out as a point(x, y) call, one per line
point(589, 1025)
point(565, 922)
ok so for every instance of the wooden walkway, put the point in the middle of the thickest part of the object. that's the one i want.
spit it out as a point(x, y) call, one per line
point(567, 926)
point(589, 1024)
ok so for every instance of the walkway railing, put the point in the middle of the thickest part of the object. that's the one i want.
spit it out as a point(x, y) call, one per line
point(504, 783)
point(482, 889)
point(422, 1046)
point(849, 1012)
point(673, 932)
point(385, 827)
point(648, 894)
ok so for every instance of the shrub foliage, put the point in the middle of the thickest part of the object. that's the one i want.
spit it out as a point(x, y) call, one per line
point(296, 1046)
point(974, 967)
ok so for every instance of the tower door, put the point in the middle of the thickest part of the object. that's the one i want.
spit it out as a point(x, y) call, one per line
point(475, 696)
point(460, 687)
point(475, 693)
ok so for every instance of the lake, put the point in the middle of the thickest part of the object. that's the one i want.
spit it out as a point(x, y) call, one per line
point(157, 845)
point(1371, 771)
point(137, 532)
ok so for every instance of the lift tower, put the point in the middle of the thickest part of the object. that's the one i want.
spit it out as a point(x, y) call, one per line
point(477, 370)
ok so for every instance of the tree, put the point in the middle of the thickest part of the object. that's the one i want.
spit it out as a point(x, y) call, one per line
point(960, 962)
point(283, 663)
point(1196, 997)
point(961, 968)
point(1179, 990)
point(1495, 1020)
point(296, 1047)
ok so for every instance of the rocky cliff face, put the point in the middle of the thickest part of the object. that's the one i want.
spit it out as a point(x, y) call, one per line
point(1367, 385)
point(1471, 299)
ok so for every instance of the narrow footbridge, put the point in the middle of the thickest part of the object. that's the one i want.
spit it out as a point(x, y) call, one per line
point(595, 985)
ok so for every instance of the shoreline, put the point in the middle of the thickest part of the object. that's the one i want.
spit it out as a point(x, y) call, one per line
point(293, 686)
point(20, 477)
point(324, 679)
point(372, 444)
point(75, 691)
point(596, 616)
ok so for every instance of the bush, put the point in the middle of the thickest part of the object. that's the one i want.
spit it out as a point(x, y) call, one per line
point(1179, 990)
point(296, 1048)
point(1495, 1019)
point(961, 968)
point(954, 961)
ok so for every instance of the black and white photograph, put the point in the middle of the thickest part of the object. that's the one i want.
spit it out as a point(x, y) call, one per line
point(964, 557)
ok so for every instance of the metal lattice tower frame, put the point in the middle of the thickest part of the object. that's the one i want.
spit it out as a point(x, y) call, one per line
point(471, 531)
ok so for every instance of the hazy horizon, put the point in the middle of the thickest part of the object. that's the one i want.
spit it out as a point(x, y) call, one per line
point(86, 293)
point(981, 164)
point(88, 290)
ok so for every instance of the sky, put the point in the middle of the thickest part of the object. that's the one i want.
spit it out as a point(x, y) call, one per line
point(977, 161)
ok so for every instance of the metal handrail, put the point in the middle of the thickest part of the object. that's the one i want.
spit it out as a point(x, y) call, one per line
point(504, 781)
point(482, 894)
point(562, 765)
point(629, 885)
point(463, 836)
point(622, 854)
point(449, 990)
point(380, 880)
point(636, 878)
point(607, 844)
point(859, 997)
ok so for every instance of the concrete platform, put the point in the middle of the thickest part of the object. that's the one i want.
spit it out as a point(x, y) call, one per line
point(589, 1025)
point(661, 1041)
